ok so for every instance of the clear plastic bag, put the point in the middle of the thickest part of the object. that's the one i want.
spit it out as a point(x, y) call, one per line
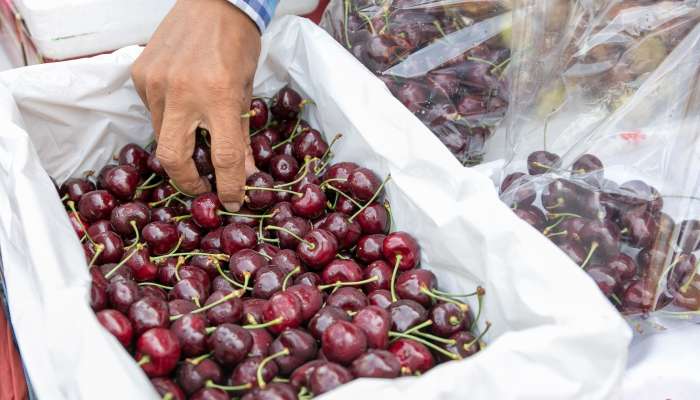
point(614, 183)
point(444, 60)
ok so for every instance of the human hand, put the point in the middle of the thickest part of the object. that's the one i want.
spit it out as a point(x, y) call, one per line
point(197, 71)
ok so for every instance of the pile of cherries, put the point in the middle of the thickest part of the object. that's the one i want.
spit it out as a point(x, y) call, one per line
point(641, 259)
point(460, 97)
point(300, 291)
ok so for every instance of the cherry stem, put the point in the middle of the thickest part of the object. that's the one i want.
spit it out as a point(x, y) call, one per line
point(272, 189)
point(454, 321)
point(268, 258)
point(273, 322)
point(167, 396)
point(209, 330)
point(233, 214)
point(196, 361)
point(562, 233)
point(369, 22)
point(176, 248)
point(99, 248)
point(340, 192)
point(111, 272)
point(232, 281)
point(280, 380)
point(158, 285)
point(555, 215)
point(346, 12)
point(418, 327)
point(212, 385)
point(330, 180)
point(327, 153)
point(622, 232)
point(393, 277)
point(594, 246)
point(374, 196)
point(439, 349)
point(232, 295)
point(436, 338)
point(291, 137)
point(387, 206)
point(174, 185)
point(356, 283)
point(481, 60)
point(615, 298)
point(292, 234)
point(136, 232)
point(478, 338)
point(163, 200)
point(144, 360)
point(295, 271)
point(220, 257)
point(440, 292)
point(480, 301)
point(196, 301)
point(560, 202)
point(690, 279)
point(181, 217)
point(258, 373)
point(439, 28)
point(145, 184)
point(71, 205)
point(546, 230)
point(297, 179)
point(249, 114)
point(64, 198)
point(446, 299)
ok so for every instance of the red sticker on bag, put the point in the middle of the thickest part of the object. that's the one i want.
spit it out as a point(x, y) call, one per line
point(633, 136)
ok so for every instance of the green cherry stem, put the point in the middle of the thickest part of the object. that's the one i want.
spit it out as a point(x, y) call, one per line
point(295, 271)
point(340, 284)
point(439, 349)
point(144, 360)
point(374, 196)
point(478, 338)
point(111, 272)
point(434, 338)
point(387, 206)
point(690, 279)
point(546, 230)
point(274, 322)
point(393, 278)
point(272, 189)
point(340, 192)
point(181, 217)
point(258, 373)
point(232, 295)
point(440, 292)
point(158, 285)
point(64, 198)
point(231, 281)
point(71, 205)
point(168, 396)
point(446, 299)
point(291, 137)
point(554, 234)
point(163, 200)
point(233, 214)
point(99, 248)
point(556, 215)
point(219, 257)
point(148, 180)
point(418, 327)
point(298, 179)
point(196, 361)
point(480, 300)
point(310, 245)
point(136, 232)
point(327, 153)
point(212, 385)
point(594, 246)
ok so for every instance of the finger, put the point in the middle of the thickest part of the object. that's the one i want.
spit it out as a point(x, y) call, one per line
point(250, 167)
point(175, 151)
point(155, 95)
point(228, 155)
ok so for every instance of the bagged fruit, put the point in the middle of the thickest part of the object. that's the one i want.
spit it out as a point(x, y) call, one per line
point(621, 198)
point(445, 61)
point(71, 117)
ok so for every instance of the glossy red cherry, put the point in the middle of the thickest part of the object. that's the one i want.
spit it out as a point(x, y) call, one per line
point(112, 247)
point(166, 387)
point(160, 236)
point(273, 391)
point(327, 377)
point(189, 289)
point(341, 271)
point(253, 310)
point(309, 143)
point(245, 261)
point(118, 325)
point(343, 342)
point(286, 104)
point(623, 265)
point(158, 351)
point(190, 235)
point(283, 167)
point(376, 364)
point(202, 159)
point(349, 299)
point(406, 314)
point(338, 174)
point(641, 228)
point(98, 227)
point(192, 377)
point(282, 311)
point(96, 205)
point(369, 248)
point(318, 248)
point(268, 281)
point(155, 166)
point(246, 372)
point(382, 271)
point(347, 232)
point(286, 260)
point(466, 344)
point(148, 312)
point(122, 181)
point(211, 242)
point(135, 156)
point(413, 356)
point(413, 284)
point(190, 330)
point(448, 319)
point(291, 229)
point(518, 187)
point(301, 347)
point(300, 377)
point(375, 322)
point(259, 199)
point(229, 311)
point(75, 188)
point(205, 208)
point(163, 214)
point(373, 219)
point(401, 247)
point(345, 206)
point(572, 249)
point(540, 162)
point(324, 318)
point(310, 299)
point(261, 342)
point(230, 344)
point(210, 393)
point(123, 215)
point(311, 204)
point(259, 114)
point(261, 147)
point(235, 237)
point(363, 184)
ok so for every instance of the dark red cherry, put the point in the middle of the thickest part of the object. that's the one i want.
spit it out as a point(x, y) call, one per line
point(465, 344)
point(406, 314)
point(208, 393)
point(98, 227)
point(192, 377)
point(246, 261)
point(268, 281)
point(162, 192)
point(205, 210)
point(77, 223)
point(402, 248)
point(318, 249)
point(124, 214)
point(373, 219)
point(413, 95)
point(541, 161)
point(607, 280)
point(300, 377)
point(259, 199)
point(308, 278)
point(286, 260)
point(166, 387)
point(189, 289)
point(118, 325)
point(122, 181)
point(412, 284)
point(96, 205)
point(285, 309)
point(324, 318)
point(519, 188)
point(363, 184)
point(283, 168)
point(376, 364)
point(286, 104)
point(155, 166)
point(160, 236)
point(369, 248)
point(219, 283)
point(259, 114)
point(148, 312)
point(338, 174)
point(309, 143)
point(190, 330)
point(301, 347)
point(113, 247)
point(190, 234)
point(382, 271)
point(448, 319)
point(253, 310)
point(414, 357)
point(202, 159)
point(298, 227)
point(229, 344)
point(349, 299)
point(605, 234)
point(135, 156)
point(532, 215)
point(641, 228)
point(327, 377)
point(310, 299)
point(689, 235)
point(158, 351)
point(341, 271)
point(345, 206)
point(211, 242)
point(590, 167)
point(346, 231)
point(75, 188)
point(261, 342)
point(272, 134)
point(380, 297)
point(573, 249)
point(163, 214)
point(311, 204)
point(623, 265)
point(235, 237)
point(375, 322)
point(343, 342)
point(246, 372)
point(102, 174)
point(273, 391)
point(286, 149)
point(262, 150)
point(638, 297)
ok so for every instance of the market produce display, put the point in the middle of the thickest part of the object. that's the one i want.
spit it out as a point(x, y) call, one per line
point(304, 289)
point(444, 62)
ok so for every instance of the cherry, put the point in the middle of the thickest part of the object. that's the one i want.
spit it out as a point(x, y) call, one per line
point(268, 281)
point(190, 330)
point(253, 309)
point(572, 249)
point(465, 344)
point(188, 271)
point(189, 289)
point(98, 227)
point(311, 204)
point(380, 297)
point(219, 283)
point(261, 148)
point(190, 234)
point(540, 162)
point(414, 284)
point(341, 271)
point(155, 166)
point(290, 230)
point(192, 377)
point(532, 215)
point(523, 193)
point(369, 248)
point(300, 377)
point(345, 206)
point(122, 293)
point(310, 299)
point(210, 393)
point(245, 262)
point(561, 194)
point(347, 231)
point(261, 342)
point(318, 248)
point(122, 181)
point(118, 274)
point(309, 143)
point(166, 387)
point(338, 174)
point(573, 227)
point(273, 391)
point(160, 236)
point(157, 351)
point(301, 346)
point(283, 310)
point(343, 342)
point(235, 237)
point(246, 372)
point(77, 223)
point(363, 184)
point(607, 279)
point(412, 94)
point(375, 322)
point(148, 312)
point(98, 297)
point(230, 311)
point(118, 325)
point(205, 210)
point(123, 215)
point(405, 314)
point(382, 271)
point(641, 228)
point(102, 174)
point(135, 156)
point(448, 319)
point(308, 278)
point(162, 192)
point(286, 149)
point(324, 318)
point(603, 235)
point(373, 219)
point(286, 104)
point(202, 159)
point(590, 166)
point(414, 357)
point(376, 364)
point(259, 114)
point(259, 199)
point(112, 247)
point(230, 344)
point(96, 205)
point(152, 291)
point(75, 188)
point(166, 271)
point(328, 376)
point(283, 167)
point(286, 260)
point(689, 235)
point(163, 214)
point(638, 297)
point(211, 242)
point(401, 249)
point(623, 265)
point(349, 299)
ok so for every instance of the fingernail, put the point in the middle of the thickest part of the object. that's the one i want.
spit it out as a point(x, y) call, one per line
point(232, 206)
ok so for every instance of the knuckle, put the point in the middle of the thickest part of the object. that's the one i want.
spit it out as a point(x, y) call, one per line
point(227, 158)
point(168, 154)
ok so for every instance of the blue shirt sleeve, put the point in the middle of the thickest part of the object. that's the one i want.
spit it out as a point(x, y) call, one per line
point(260, 11)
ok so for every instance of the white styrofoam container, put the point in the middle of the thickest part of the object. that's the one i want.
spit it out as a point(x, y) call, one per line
point(64, 29)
